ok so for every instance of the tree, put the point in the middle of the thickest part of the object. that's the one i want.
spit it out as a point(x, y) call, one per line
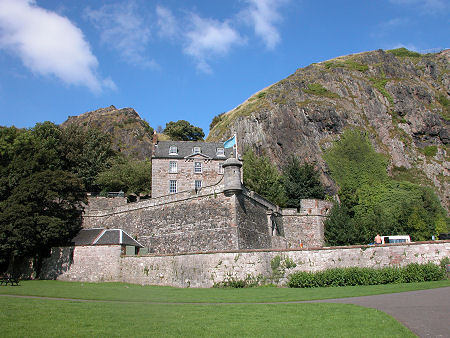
point(263, 177)
point(300, 181)
point(86, 152)
point(183, 131)
point(43, 210)
point(130, 176)
point(340, 228)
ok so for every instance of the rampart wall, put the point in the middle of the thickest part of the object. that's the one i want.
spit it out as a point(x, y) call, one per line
point(210, 221)
point(97, 264)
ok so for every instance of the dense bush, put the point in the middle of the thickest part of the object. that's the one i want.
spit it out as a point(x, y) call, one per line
point(367, 276)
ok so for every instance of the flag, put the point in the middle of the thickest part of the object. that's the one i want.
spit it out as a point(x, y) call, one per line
point(230, 143)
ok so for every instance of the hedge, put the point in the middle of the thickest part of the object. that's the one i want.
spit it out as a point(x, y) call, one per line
point(367, 276)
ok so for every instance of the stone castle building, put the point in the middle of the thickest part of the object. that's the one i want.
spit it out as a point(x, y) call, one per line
point(199, 204)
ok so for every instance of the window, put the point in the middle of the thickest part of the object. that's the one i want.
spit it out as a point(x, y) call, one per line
point(220, 152)
point(173, 150)
point(172, 186)
point(173, 167)
point(198, 185)
point(197, 167)
point(221, 168)
point(196, 150)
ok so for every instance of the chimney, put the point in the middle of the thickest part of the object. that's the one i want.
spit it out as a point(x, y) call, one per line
point(154, 138)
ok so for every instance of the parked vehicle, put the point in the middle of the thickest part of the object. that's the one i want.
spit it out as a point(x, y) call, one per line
point(395, 239)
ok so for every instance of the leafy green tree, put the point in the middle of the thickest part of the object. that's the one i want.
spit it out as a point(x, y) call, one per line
point(340, 228)
point(183, 131)
point(86, 152)
point(261, 176)
point(43, 210)
point(300, 181)
point(126, 174)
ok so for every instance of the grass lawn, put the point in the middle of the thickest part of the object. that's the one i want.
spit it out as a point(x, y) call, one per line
point(134, 310)
point(51, 318)
point(138, 293)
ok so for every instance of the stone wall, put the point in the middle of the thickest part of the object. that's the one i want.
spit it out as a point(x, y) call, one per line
point(98, 264)
point(84, 263)
point(305, 228)
point(194, 223)
point(252, 223)
point(104, 203)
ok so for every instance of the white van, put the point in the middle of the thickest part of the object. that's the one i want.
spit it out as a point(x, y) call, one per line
point(395, 239)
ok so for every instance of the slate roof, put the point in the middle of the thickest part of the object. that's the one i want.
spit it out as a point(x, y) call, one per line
point(185, 149)
point(104, 237)
point(86, 236)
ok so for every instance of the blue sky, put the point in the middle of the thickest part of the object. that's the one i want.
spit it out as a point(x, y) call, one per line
point(191, 60)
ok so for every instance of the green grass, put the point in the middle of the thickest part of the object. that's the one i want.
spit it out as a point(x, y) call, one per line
point(119, 309)
point(380, 84)
point(318, 89)
point(50, 318)
point(138, 293)
point(349, 64)
point(430, 151)
point(413, 175)
point(403, 52)
point(442, 99)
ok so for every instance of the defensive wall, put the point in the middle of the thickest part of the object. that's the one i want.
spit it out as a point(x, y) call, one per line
point(203, 269)
point(209, 220)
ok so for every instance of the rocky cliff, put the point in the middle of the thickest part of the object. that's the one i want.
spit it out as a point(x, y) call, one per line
point(400, 98)
point(130, 134)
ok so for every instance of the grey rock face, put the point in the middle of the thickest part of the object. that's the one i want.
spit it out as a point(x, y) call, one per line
point(130, 134)
point(402, 102)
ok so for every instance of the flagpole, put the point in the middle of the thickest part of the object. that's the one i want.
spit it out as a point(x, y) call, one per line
point(235, 137)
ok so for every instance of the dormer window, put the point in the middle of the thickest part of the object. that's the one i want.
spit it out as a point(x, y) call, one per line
point(173, 150)
point(196, 150)
point(220, 152)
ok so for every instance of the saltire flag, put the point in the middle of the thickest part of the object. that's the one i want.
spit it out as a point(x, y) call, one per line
point(230, 143)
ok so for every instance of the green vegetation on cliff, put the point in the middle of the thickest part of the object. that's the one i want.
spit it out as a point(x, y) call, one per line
point(371, 202)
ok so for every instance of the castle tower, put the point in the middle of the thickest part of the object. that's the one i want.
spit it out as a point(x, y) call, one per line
point(232, 177)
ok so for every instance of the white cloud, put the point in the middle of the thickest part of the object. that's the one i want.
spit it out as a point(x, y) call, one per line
point(263, 15)
point(123, 29)
point(167, 25)
point(48, 44)
point(430, 6)
point(209, 38)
